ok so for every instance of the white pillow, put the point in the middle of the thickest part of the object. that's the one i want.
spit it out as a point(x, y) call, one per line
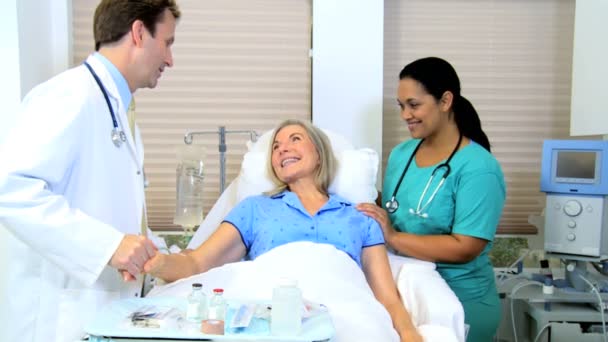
point(355, 178)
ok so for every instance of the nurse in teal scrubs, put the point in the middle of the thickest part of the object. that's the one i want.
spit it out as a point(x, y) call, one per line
point(444, 191)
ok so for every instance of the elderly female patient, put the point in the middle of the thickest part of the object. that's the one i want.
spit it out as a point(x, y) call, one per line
point(302, 165)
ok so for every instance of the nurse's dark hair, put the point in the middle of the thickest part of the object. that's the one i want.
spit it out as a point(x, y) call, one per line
point(438, 76)
point(113, 18)
point(325, 172)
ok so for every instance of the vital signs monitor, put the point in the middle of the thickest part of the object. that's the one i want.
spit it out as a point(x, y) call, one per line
point(574, 174)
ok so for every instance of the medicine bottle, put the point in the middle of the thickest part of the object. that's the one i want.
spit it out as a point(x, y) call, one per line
point(197, 304)
point(545, 270)
point(216, 315)
point(286, 313)
point(217, 305)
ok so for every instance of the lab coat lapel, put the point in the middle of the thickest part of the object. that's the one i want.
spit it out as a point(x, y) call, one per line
point(119, 108)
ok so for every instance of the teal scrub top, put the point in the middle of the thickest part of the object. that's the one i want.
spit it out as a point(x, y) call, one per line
point(469, 202)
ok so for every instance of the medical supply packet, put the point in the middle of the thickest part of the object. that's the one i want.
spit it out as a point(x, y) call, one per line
point(163, 318)
point(151, 316)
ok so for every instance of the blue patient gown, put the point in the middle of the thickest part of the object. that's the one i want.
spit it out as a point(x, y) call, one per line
point(469, 203)
point(265, 222)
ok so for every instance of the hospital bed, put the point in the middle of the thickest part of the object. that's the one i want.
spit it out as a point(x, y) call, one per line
point(325, 274)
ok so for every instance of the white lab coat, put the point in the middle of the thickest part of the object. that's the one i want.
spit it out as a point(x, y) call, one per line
point(68, 195)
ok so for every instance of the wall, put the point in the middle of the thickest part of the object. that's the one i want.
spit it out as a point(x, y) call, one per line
point(44, 40)
point(347, 69)
point(36, 46)
point(589, 115)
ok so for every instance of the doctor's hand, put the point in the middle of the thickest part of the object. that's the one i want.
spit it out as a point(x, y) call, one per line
point(131, 255)
point(380, 215)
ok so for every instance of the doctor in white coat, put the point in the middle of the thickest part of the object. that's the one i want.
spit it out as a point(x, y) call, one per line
point(71, 179)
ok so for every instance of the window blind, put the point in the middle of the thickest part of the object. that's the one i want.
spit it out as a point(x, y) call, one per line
point(514, 61)
point(242, 64)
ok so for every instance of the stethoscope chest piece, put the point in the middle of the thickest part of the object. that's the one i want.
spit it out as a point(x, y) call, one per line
point(118, 137)
point(392, 205)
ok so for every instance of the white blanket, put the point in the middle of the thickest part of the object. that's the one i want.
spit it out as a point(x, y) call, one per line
point(329, 276)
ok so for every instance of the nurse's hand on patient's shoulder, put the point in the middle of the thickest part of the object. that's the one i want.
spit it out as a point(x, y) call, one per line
point(380, 215)
point(131, 255)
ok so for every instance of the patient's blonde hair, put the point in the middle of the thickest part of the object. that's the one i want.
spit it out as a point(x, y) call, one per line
point(324, 173)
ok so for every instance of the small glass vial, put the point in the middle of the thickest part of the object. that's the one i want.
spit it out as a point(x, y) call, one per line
point(197, 304)
point(216, 315)
point(545, 270)
point(286, 313)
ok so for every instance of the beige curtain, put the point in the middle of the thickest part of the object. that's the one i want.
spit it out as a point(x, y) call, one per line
point(242, 64)
point(514, 60)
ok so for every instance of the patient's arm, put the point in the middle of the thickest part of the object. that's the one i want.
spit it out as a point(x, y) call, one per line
point(223, 246)
point(378, 274)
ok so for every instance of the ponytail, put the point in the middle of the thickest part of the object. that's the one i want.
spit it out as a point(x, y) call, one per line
point(468, 123)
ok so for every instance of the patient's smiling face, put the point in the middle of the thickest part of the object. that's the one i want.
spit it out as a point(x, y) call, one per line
point(294, 156)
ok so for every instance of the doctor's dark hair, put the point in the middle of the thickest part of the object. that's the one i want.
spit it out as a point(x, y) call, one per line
point(325, 172)
point(113, 18)
point(438, 76)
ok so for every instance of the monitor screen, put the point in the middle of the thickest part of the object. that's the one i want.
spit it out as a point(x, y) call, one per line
point(573, 166)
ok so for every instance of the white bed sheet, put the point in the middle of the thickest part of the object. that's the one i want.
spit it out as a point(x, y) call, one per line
point(325, 275)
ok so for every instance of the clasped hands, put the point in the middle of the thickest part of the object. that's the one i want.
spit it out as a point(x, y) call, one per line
point(131, 255)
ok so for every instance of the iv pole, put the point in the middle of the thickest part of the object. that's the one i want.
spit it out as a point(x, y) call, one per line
point(253, 135)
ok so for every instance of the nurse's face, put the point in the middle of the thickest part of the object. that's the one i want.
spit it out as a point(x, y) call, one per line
point(294, 156)
point(156, 54)
point(424, 115)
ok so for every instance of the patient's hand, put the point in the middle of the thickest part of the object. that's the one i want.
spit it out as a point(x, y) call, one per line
point(171, 267)
point(156, 265)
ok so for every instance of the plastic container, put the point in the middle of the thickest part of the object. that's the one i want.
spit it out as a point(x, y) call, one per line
point(216, 314)
point(197, 304)
point(286, 314)
point(189, 188)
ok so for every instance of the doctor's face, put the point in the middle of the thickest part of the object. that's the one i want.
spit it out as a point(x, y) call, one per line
point(294, 155)
point(156, 54)
point(424, 115)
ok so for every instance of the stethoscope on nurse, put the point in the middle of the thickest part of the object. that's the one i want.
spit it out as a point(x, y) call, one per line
point(117, 135)
point(392, 205)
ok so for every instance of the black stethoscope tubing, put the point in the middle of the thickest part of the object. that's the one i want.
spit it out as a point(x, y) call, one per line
point(115, 130)
point(392, 205)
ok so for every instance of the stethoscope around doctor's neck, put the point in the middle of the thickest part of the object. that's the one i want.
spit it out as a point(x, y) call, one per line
point(392, 205)
point(118, 136)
